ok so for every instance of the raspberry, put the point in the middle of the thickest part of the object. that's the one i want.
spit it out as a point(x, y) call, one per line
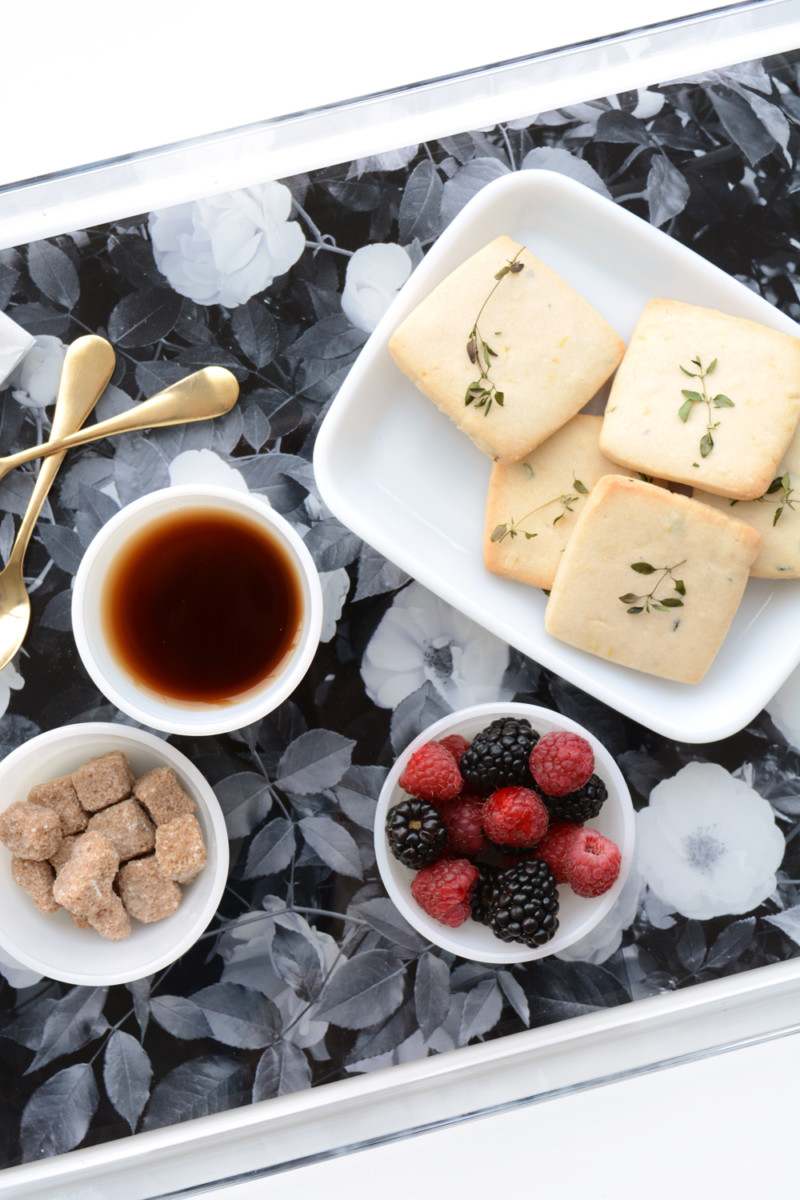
point(462, 820)
point(444, 890)
point(416, 832)
point(592, 863)
point(561, 762)
point(515, 816)
point(456, 744)
point(554, 848)
point(431, 774)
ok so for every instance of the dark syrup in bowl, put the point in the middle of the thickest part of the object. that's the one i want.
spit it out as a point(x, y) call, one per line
point(202, 606)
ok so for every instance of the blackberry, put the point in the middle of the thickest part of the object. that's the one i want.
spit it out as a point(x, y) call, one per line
point(498, 755)
point(481, 897)
point(524, 903)
point(416, 833)
point(578, 806)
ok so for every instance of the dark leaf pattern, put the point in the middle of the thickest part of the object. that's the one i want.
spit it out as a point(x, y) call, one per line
point(308, 973)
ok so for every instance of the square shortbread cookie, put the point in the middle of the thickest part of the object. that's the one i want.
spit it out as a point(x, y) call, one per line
point(548, 350)
point(705, 399)
point(650, 579)
point(532, 505)
point(776, 515)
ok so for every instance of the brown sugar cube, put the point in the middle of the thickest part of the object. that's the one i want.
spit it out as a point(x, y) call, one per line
point(30, 830)
point(85, 883)
point(79, 922)
point(36, 878)
point(60, 795)
point(102, 781)
point(111, 922)
point(128, 828)
point(161, 793)
point(180, 849)
point(63, 852)
point(146, 893)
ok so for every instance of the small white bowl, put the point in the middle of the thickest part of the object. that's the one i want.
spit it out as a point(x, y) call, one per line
point(52, 944)
point(576, 916)
point(128, 693)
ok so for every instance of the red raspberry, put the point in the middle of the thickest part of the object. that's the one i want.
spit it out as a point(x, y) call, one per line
point(515, 816)
point(462, 820)
point(444, 890)
point(456, 744)
point(593, 862)
point(561, 762)
point(431, 774)
point(554, 848)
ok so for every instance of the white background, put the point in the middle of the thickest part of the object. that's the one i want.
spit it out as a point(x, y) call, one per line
point(97, 78)
point(92, 80)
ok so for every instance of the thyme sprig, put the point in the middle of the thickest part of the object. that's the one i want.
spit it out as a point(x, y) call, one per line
point(786, 499)
point(511, 528)
point(693, 397)
point(483, 391)
point(648, 601)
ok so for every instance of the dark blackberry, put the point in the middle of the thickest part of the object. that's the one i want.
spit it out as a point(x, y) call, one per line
point(499, 754)
point(579, 806)
point(481, 897)
point(416, 833)
point(524, 903)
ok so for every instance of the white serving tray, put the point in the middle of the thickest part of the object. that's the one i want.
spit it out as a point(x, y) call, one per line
point(396, 471)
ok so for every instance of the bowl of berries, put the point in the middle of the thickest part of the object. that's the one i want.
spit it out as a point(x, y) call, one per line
point(504, 833)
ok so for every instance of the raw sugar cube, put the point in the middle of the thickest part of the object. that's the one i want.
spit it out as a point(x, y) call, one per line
point(102, 781)
point(127, 826)
point(63, 852)
point(30, 830)
point(146, 893)
point(36, 878)
point(85, 884)
point(162, 794)
point(111, 922)
point(180, 849)
point(60, 795)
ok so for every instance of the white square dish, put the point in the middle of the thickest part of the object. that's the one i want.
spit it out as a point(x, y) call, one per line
point(398, 473)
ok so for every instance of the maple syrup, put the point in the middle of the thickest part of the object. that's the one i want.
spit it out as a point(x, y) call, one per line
point(202, 606)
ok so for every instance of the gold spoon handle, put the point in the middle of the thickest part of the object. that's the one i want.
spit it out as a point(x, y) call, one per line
point(207, 393)
point(88, 366)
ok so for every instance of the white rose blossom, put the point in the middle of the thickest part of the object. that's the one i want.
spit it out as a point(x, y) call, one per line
point(373, 278)
point(422, 638)
point(225, 249)
point(707, 844)
point(205, 467)
point(35, 381)
point(10, 679)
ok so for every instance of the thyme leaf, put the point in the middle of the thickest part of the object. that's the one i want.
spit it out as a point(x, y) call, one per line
point(483, 392)
point(512, 527)
point(648, 602)
point(692, 397)
point(786, 498)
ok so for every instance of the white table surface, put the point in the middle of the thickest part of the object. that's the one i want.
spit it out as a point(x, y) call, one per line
point(115, 79)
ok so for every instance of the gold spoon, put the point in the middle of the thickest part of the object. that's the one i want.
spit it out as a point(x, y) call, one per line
point(88, 366)
point(208, 393)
